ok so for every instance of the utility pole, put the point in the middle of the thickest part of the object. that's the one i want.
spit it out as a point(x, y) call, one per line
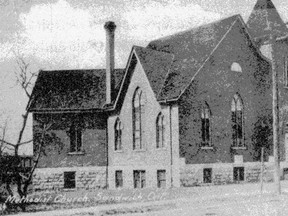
point(262, 168)
point(275, 105)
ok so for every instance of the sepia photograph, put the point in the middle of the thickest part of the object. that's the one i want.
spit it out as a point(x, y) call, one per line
point(144, 108)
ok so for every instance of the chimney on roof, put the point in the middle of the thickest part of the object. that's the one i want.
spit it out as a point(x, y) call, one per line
point(110, 29)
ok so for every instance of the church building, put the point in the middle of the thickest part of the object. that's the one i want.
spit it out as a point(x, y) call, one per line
point(193, 108)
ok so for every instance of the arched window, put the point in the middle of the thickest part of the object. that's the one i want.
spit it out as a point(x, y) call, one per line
point(206, 127)
point(160, 131)
point(137, 119)
point(236, 67)
point(118, 135)
point(237, 121)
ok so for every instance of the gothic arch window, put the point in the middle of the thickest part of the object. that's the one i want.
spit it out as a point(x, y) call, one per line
point(237, 121)
point(137, 118)
point(236, 67)
point(118, 135)
point(206, 125)
point(75, 134)
point(160, 131)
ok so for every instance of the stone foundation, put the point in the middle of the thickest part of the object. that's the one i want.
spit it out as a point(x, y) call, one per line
point(85, 178)
point(192, 174)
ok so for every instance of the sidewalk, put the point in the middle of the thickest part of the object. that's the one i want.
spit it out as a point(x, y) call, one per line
point(176, 196)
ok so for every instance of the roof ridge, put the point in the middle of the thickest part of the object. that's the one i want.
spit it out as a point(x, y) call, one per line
point(208, 57)
point(153, 50)
point(196, 27)
point(164, 55)
point(70, 70)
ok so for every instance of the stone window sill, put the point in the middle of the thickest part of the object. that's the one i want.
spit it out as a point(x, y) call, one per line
point(139, 150)
point(76, 153)
point(207, 148)
point(239, 148)
point(118, 151)
point(69, 189)
point(161, 148)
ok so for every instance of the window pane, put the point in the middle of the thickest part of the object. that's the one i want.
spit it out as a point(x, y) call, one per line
point(137, 134)
point(136, 101)
point(143, 179)
point(203, 130)
point(233, 105)
point(72, 139)
point(137, 143)
point(79, 139)
point(163, 135)
point(207, 130)
point(137, 179)
point(69, 180)
point(118, 179)
point(137, 119)
point(118, 134)
point(161, 178)
point(207, 175)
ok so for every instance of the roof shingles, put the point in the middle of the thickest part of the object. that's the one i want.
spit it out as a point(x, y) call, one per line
point(170, 63)
point(156, 65)
point(71, 90)
point(190, 48)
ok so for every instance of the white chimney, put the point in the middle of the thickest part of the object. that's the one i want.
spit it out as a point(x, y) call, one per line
point(110, 29)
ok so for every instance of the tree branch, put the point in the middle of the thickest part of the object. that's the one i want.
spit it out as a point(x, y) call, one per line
point(17, 144)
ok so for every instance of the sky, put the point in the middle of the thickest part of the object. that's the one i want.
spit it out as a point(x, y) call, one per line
point(69, 34)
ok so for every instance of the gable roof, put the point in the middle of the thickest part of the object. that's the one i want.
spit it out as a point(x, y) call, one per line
point(155, 65)
point(68, 90)
point(265, 20)
point(170, 64)
point(190, 48)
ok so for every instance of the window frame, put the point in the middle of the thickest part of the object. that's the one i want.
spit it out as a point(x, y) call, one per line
point(119, 182)
point(160, 131)
point(237, 122)
point(206, 139)
point(236, 67)
point(71, 179)
point(161, 179)
point(209, 179)
point(137, 120)
point(118, 135)
point(139, 179)
point(238, 176)
point(76, 139)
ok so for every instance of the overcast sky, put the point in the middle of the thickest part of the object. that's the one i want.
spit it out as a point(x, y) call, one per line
point(64, 34)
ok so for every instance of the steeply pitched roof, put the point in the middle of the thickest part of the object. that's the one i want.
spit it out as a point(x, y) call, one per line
point(190, 48)
point(265, 20)
point(71, 90)
point(156, 65)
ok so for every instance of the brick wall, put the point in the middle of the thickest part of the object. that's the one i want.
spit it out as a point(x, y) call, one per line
point(216, 84)
point(57, 148)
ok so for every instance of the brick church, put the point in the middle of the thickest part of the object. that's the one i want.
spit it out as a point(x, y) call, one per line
point(193, 108)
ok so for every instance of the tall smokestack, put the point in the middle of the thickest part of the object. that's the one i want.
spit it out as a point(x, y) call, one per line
point(110, 29)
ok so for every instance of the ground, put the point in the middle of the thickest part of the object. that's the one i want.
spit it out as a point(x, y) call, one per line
point(237, 199)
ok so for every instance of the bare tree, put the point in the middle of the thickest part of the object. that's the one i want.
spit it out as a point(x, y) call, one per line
point(12, 170)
